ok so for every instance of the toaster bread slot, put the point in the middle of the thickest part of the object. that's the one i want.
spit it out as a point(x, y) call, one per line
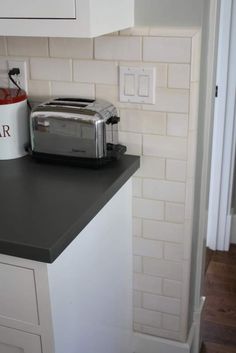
point(68, 104)
point(78, 100)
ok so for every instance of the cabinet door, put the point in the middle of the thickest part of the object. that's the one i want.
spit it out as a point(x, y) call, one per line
point(14, 341)
point(38, 9)
point(18, 298)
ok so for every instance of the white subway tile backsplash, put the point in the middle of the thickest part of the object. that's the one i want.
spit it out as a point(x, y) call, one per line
point(160, 303)
point(149, 209)
point(73, 89)
point(189, 202)
point(196, 57)
point(167, 49)
point(174, 212)
point(137, 299)
point(77, 48)
point(185, 285)
point(146, 247)
point(137, 187)
point(179, 76)
point(147, 317)
point(163, 231)
point(162, 268)
point(143, 122)
point(3, 72)
point(194, 103)
point(91, 71)
point(151, 167)
point(116, 33)
point(188, 238)
point(137, 327)
point(161, 74)
point(177, 125)
point(50, 69)
point(108, 92)
point(137, 263)
point(171, 322)
point(170, 100)
point(165, 147)
point(27, 46)
point(173, 31)
point(192, 154)
point(172, 288)
point(118, 48)
point(160, 332)
point(176, 170)
point(173, 252)
point(137, 227)
point(135, 31)
point(3, 46)
point(146, 283)
point(39, 89)
point(164, 190)
point(133, 142)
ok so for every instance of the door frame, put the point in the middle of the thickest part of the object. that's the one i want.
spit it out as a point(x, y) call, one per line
point(219, 213)
point(208, 116)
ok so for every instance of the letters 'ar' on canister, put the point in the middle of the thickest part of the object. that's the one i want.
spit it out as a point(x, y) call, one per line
point(14, 127)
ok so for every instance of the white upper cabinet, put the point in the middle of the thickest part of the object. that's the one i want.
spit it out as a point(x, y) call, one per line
point(38, 9)
point(65, 18)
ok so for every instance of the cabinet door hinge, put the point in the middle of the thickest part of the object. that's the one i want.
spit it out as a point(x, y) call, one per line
point(216, 92)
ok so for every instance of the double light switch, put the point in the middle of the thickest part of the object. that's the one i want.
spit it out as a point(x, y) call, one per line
point(137, 85)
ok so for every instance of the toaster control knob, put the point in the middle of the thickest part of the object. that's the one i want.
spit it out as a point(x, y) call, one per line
point(113, 120)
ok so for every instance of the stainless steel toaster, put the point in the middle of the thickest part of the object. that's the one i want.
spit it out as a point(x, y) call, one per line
point(76, 128)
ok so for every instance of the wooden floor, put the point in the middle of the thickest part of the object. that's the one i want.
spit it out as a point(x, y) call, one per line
point(219, 316)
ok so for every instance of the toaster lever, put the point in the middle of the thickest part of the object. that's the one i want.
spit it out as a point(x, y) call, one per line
point(113, 120)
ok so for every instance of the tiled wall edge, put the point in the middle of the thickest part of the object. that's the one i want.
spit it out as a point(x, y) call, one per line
point(161, 31)
point(190, 183)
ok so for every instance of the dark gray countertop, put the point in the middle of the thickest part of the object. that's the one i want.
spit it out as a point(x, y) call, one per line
point(43, 207)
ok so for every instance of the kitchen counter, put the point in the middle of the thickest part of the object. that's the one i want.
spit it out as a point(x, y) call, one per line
point(45, 206)
point(66, 257)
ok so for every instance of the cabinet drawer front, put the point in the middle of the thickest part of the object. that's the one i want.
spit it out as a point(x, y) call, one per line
point(14, 341)
point(38, 9)
point(18, 300)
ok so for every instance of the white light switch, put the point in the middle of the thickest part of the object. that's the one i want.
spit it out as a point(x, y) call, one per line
point(129, 85)
point(137, 84)
point(143, 86)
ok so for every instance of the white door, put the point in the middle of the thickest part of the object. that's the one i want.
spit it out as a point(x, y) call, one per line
point(38, 9)
point(15, 341)
point(223, 149)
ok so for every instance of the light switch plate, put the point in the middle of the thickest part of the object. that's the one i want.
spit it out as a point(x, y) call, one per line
point(137, 84)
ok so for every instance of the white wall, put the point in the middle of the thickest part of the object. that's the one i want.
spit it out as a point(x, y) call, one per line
point(168, 12)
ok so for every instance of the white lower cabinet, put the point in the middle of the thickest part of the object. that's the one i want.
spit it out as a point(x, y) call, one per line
point(15, 341)
point(18, 299)
point(82, 302)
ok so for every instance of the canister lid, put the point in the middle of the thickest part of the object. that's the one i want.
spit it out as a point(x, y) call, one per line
point(11, 95)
